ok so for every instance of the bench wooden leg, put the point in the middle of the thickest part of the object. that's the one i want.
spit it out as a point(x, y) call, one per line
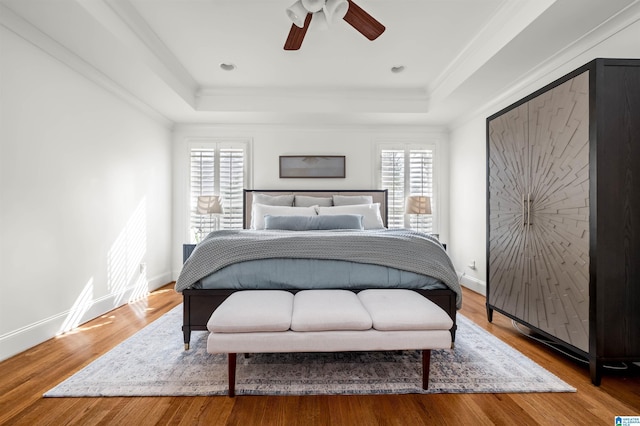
point(426, 363)
point(232, 374)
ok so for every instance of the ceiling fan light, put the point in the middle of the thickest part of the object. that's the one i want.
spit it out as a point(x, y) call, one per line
point(313, 6)
point(321, 20)
point(297, 13)
point(335, 9)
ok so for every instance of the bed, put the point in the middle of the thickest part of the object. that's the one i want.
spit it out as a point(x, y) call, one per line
point(298, 240)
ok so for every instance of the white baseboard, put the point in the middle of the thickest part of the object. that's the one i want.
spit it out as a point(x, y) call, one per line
point(26, 337)
point(160, 280)
point(473, 283)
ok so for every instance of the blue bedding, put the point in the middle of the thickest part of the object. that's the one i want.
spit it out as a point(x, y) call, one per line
point(337, 258)
point(314, 273)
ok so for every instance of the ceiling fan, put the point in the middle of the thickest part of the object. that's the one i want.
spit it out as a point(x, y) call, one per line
point(327, 11)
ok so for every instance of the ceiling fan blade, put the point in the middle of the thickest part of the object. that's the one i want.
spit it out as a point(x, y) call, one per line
point(296, 35)
point(363, 22)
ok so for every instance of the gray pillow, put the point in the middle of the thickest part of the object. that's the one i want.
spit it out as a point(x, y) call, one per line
point(273, 200)
point(311, 223)
point(350, 200)
point(305, 201)
point(370, 213)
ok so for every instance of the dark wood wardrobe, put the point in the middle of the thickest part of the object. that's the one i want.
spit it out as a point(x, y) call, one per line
point(563, 212)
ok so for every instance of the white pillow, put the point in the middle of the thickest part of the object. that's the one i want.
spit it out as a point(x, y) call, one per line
point(259, 211)
point(305, 201)
point(349, 200)
point(371, 213)
point(273, 200)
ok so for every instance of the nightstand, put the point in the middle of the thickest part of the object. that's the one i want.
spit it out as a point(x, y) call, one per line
point(437, 236)
point(187, 249)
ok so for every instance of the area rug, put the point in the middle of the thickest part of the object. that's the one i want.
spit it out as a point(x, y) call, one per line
point(153, 362)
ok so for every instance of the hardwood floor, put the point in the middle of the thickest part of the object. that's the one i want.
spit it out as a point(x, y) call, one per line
point(25, 377)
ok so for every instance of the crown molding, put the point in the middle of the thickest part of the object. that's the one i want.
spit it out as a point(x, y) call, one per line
point(316, 100)
point(122, 20)
point(382, 130)
point(508, 21)
point(46, 44)
point(571, 57)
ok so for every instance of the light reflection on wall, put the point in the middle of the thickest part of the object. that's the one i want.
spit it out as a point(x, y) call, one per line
point(124, 260)
point(126, 271)
point(82, 304)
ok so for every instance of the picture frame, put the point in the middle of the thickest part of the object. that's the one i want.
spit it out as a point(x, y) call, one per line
point(312, 166)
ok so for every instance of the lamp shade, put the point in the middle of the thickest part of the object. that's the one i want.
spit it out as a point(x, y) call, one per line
point(321, 20)
point(297, 13)
point(335, 9)
point(209, 204)
point(313, 5)
point(418, 204)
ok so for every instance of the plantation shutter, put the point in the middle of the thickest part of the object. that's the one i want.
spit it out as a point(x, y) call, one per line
point(421, 183)
point(232, 168)
point(407, 170)
point(203, 180)
point(392, 176)
point(217, 170)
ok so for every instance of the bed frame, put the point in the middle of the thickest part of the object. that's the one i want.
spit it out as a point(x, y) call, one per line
point(199, 304)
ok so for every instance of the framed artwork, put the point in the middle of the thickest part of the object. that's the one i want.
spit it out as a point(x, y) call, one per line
point(312, 166)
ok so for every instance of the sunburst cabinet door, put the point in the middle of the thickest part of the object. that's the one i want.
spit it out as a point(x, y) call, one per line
point(546, 283)
point(508, 183)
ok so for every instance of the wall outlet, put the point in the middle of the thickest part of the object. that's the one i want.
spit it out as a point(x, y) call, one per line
point(472, 265)
point(143, 268)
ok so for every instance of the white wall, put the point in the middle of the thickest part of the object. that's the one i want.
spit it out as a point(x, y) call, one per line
point(357, 143)
point(468, 149)
point(468, 203)
point(85, 198)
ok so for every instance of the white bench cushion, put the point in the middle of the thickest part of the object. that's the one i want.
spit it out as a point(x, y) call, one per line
point(253, 310)
point(398, 309)
point(322, 310)
point(328, 341)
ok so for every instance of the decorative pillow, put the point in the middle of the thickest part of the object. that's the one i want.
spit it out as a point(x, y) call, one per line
point(259, 211)
point(273, 200)
point(370, 212)
point(311, 223)
point(350, 200)
point(305, 201)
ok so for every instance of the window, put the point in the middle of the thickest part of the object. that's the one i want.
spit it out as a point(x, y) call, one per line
point(408, 169)
point(217, 169)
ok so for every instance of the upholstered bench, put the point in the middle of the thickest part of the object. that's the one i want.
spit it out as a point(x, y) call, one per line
point(259, 321)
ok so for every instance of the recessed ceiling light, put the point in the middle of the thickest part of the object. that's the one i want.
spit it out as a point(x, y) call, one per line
point(397, 69)
point(227, 67)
